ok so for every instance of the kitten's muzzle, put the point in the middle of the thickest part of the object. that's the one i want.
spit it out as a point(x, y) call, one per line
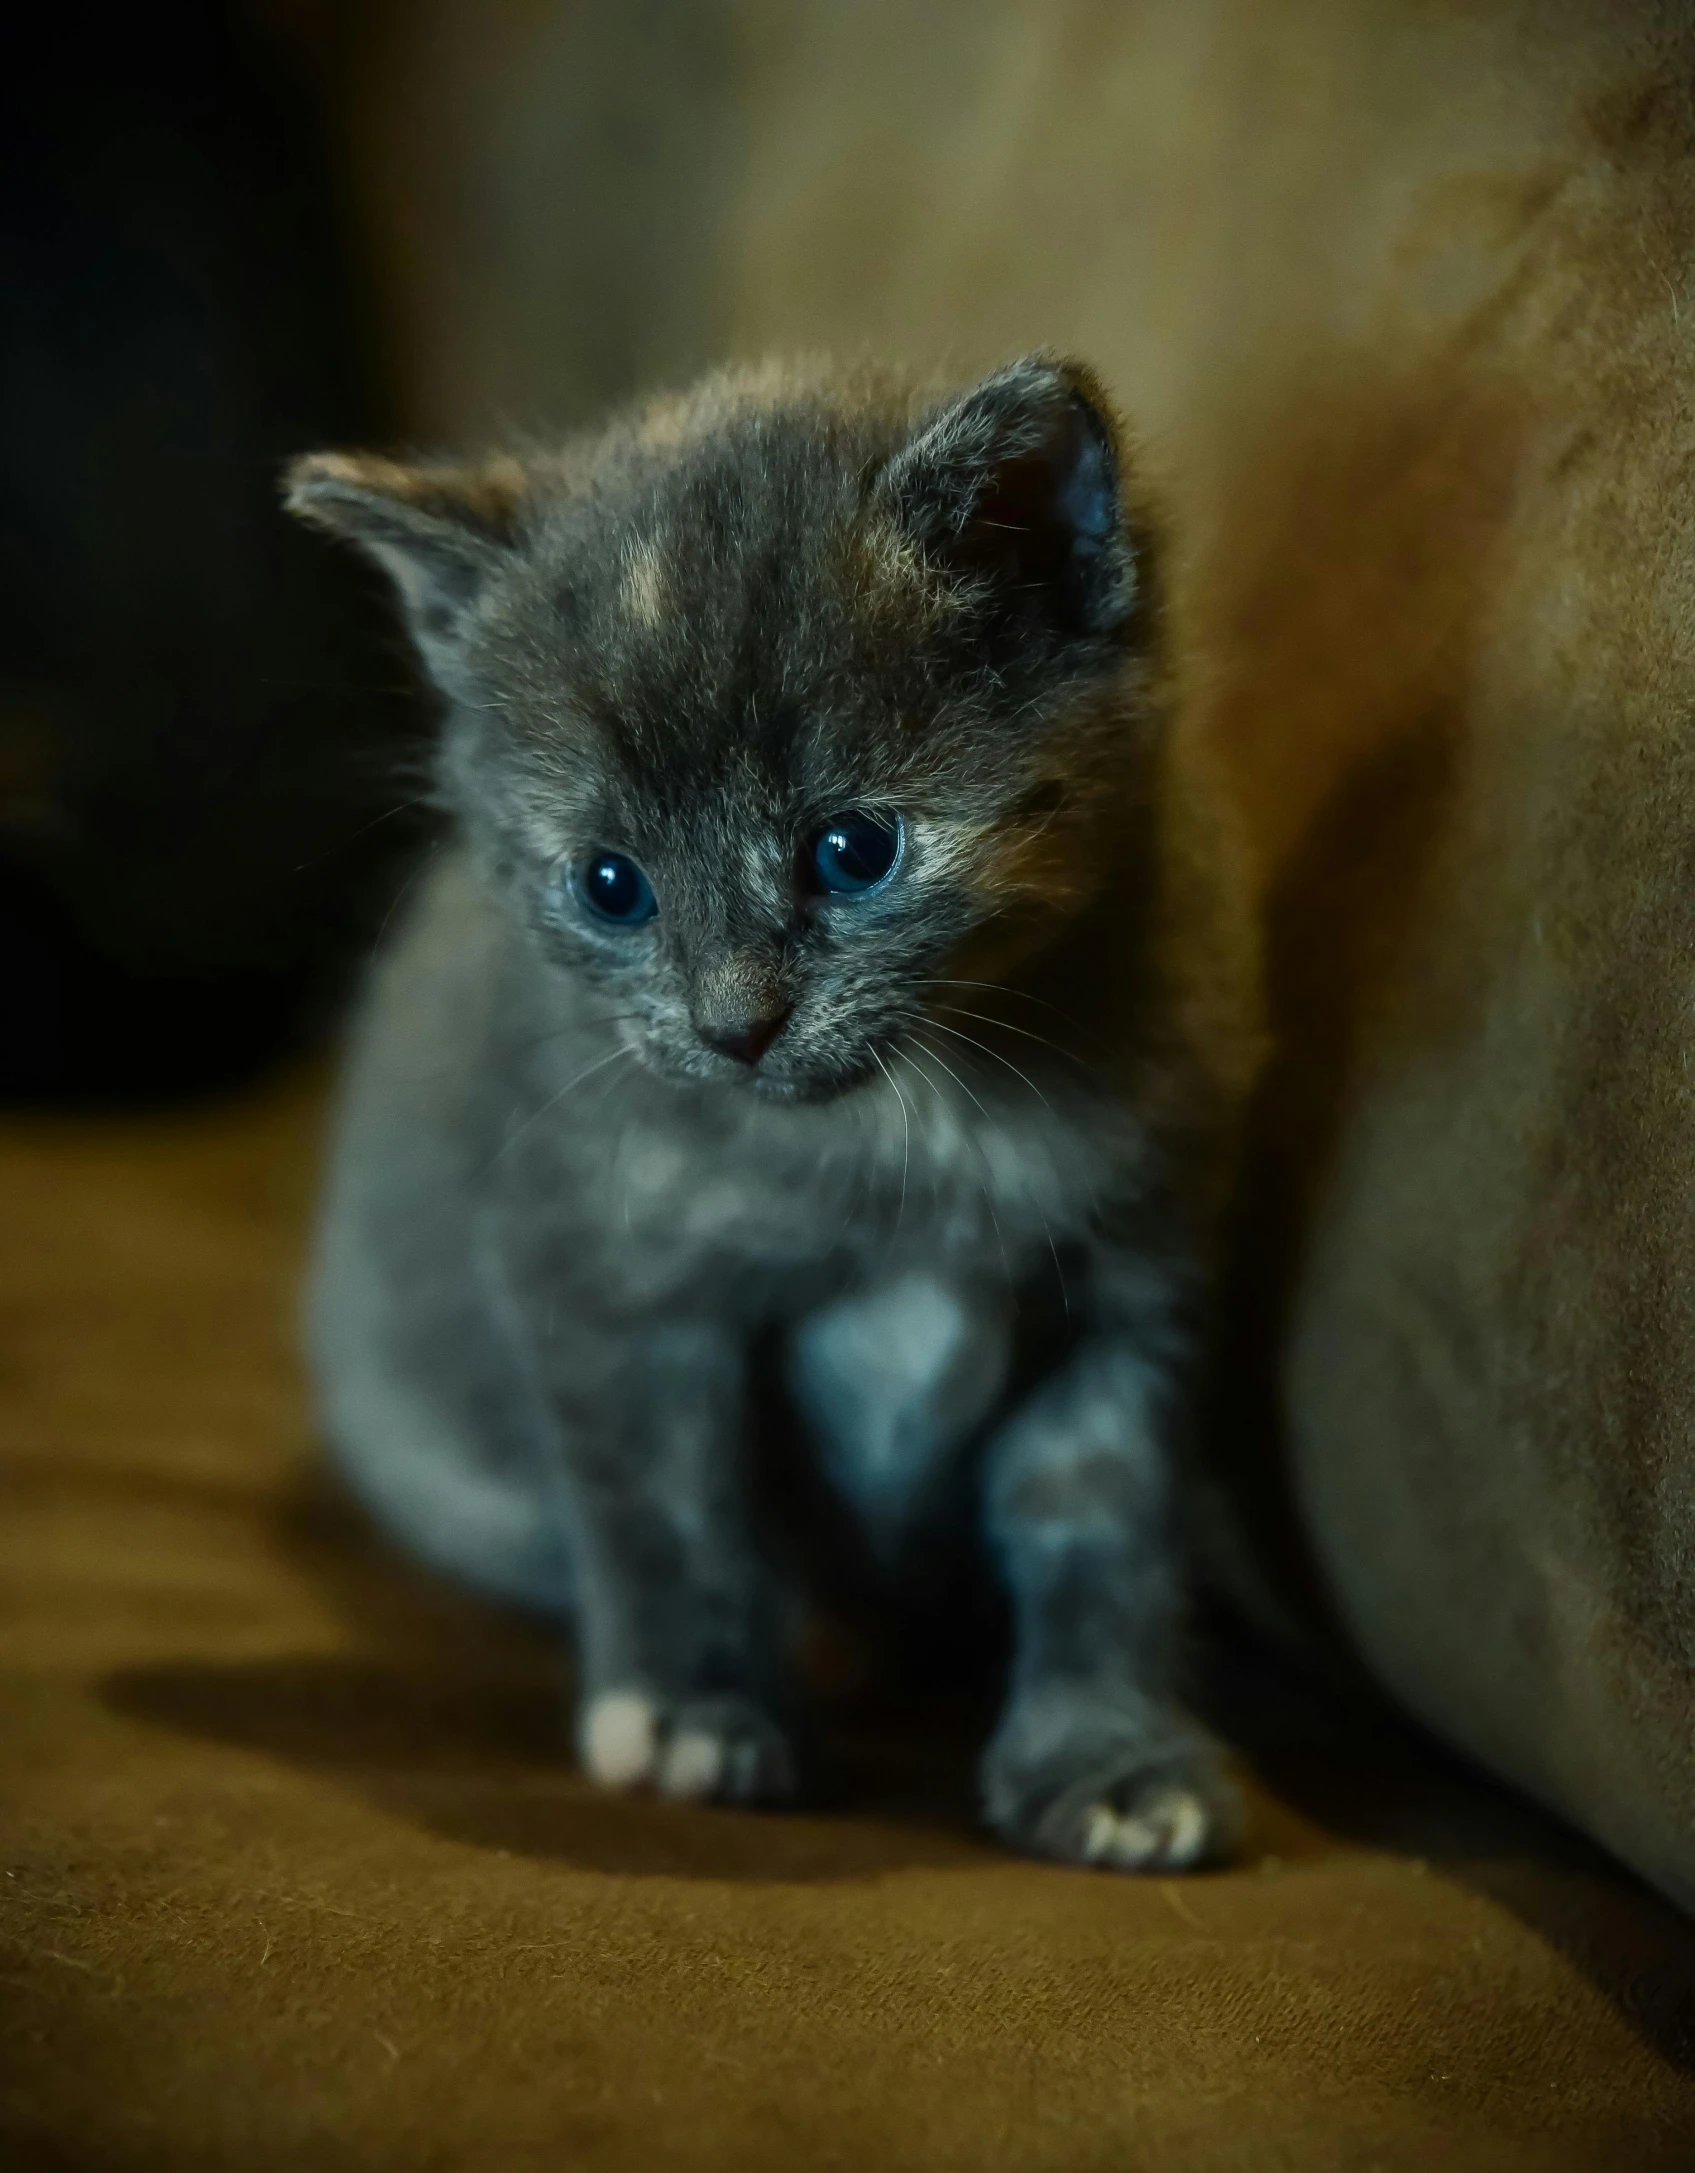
point(741, 1004)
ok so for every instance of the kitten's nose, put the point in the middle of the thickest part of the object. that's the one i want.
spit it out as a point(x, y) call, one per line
point(745, 1039)
point(740, 1004)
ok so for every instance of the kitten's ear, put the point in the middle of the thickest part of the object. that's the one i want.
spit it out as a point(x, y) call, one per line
point(1016, 482)
point(439, 532)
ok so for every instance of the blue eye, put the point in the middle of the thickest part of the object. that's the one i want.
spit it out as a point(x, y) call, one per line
point(615, 889)
point(857, 851)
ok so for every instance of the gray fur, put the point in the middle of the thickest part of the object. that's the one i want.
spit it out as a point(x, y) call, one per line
point(562, 1220)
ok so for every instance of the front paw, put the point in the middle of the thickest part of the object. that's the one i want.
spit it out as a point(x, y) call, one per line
point(1093, 1779)
point(722, 1749)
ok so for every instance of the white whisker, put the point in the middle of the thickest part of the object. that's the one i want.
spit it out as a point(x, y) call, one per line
point(535, 1116)
point(1001, 988)
point(906, 1135)
point(425, 863)
point(985, 1018)
point(953, 1075)
point(575, 1026)
point(974, 1043)
point(907, 1056)
point(1047, 1227)
point(862, 1164)
point(985, 1180)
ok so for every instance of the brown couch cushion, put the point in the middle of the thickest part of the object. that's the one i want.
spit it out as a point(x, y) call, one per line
point(293, 1872)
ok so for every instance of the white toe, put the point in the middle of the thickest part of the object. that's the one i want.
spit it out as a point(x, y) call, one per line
point(693, 1766)
point(1186, 1821)
point(1170, 1829)
point(1135, 1842)
point(620, 1738)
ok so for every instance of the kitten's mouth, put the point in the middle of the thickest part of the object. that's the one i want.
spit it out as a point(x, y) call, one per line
point(794, 1087)
point(802, 1086)
point(784, 1090)
point(815, 1088)
point(800, 1089)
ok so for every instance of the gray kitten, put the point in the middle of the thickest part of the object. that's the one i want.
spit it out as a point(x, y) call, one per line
point(792, 989)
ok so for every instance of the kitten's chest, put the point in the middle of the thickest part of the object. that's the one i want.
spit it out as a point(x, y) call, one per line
point(804, 1201)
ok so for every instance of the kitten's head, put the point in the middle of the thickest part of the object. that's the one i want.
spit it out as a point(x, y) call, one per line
point(763, 704)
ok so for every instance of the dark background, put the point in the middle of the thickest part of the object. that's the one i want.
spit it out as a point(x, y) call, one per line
point(204, 718)
point(230, 231)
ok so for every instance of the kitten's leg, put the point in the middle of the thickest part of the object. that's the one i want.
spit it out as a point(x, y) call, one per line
point(1092, 1760)
point(674, 1641)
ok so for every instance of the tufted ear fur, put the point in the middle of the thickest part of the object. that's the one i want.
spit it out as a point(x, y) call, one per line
point(1016, 483)
point(439, 532)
